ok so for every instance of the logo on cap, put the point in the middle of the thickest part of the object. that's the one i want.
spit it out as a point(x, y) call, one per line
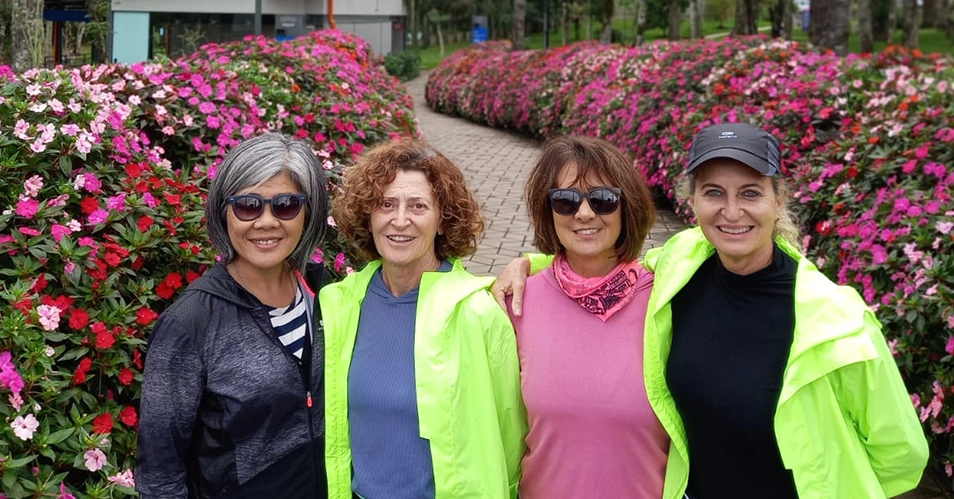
point(728, 135)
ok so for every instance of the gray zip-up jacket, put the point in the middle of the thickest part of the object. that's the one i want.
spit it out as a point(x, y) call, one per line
point(226, 410)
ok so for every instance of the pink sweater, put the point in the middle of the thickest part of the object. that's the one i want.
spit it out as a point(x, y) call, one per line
point(592, 431)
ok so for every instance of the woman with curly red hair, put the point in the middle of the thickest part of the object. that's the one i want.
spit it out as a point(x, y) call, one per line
point(422, 381)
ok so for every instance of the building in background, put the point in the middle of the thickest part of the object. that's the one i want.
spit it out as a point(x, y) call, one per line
point(143, 29)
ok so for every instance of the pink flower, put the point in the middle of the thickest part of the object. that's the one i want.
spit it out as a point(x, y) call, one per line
point(49, 316)
point(64, 492)
point(206, 107)
point(33, 185)
point(97, 217)
point(24, 427)
point(149, 200)
point(26, 208)
point(16, 401)
point(944, 227)
point(92, 183)
point(70, 129)
point(116, 202)
point(59, 231)
point(124, 479)
point(339, 262)
point(28, 231)
point(95, 459)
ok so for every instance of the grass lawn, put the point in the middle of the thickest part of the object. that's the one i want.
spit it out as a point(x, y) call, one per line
point(930, 40)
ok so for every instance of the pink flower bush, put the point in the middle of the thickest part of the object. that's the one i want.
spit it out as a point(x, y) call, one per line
point(101, 224)
point(868, 145)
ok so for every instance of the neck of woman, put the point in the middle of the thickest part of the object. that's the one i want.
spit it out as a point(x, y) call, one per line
point(403, 278)
point(273, 287)
point(588, 266)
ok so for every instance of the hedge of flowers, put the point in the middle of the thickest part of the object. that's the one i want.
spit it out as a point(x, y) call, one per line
point(104, 172)
point(868, 142)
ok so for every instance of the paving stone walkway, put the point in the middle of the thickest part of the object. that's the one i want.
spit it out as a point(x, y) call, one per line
point(496, 164)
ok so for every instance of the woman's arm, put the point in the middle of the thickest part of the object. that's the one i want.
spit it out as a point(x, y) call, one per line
point(171, 390)
point(878, 403)
point(513, 278)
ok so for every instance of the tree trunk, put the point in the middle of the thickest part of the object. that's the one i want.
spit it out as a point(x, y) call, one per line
point(607, 35)
point(911, 24)
point(893, 9)
point(777, 16)
point(28, 36)
point(519, 19)
point(944, 15)
point(746, 12)
point(929, 14)
point(566, 22)
point(829, 25)
point(675, 20)
point(695, 19)
point(865, 30)
point(788, 22)
point(640, 21)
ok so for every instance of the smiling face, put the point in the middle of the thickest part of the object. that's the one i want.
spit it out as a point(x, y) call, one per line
point(737, 208)
point(588, 239)
point(405, 225)
point(263, 245)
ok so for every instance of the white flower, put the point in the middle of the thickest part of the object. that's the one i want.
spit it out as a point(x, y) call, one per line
point(23, 427)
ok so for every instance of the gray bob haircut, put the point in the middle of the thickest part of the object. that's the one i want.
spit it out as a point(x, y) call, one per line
point(254, 162)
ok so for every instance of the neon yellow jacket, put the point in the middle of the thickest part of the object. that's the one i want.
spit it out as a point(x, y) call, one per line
point(468, 383)
point(845, 423)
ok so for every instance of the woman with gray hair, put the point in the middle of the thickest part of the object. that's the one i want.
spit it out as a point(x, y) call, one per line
point(233, 367)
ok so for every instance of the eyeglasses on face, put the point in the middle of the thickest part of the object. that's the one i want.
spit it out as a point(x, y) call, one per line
point(603, 200)
point(248, 207)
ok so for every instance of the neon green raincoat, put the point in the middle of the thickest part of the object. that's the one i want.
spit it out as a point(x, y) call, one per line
point(845, 423)
point(468, 383)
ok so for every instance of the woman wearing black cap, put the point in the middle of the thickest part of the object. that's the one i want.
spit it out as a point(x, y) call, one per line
point(771, 380)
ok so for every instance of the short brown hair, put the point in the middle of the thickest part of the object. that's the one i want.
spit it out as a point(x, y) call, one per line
point(592, 157)
point(363, 189)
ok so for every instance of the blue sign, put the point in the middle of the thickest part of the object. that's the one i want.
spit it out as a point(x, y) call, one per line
point(480, 34)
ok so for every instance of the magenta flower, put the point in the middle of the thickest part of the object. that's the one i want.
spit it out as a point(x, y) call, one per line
point(64, 492)
point(150, 200)
point(59, 231)
point(206, 107)
point(26, 208)
point(117, 202)
point(97, 217)
point(339, 262)
point(92, 183)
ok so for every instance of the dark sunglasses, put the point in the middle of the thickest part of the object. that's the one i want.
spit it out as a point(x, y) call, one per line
point(248, 207)
point(603, 200)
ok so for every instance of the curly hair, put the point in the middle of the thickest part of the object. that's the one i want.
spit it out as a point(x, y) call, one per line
point(363, 188)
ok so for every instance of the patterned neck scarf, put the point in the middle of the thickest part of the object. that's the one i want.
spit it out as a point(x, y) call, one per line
point(600, 296)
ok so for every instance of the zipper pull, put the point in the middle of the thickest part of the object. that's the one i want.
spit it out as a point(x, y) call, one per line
point(308, 400)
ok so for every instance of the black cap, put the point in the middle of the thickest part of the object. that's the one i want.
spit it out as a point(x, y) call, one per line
point(742, 142)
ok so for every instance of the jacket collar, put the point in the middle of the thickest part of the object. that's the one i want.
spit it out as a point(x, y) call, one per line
point(218, 282)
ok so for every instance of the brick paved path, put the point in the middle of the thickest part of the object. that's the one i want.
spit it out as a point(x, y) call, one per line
point(496, 164)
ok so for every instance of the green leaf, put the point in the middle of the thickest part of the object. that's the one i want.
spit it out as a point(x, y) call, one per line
point(66, 165)
point(59, 436)
point(19, 463)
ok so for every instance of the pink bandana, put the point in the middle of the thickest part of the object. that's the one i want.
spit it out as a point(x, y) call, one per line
point(601, 296)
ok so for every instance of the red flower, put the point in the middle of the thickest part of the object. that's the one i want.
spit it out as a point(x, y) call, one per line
point(25, 305)
point(39, 284)
point(172, 199)
point(105, 339)
point(137, 359)
point(174, 280)
point(89, 205)
point(164, 290)
point(137, 263)
point(126, 376)
point(128, 416)
point(98, 327)
point(79, 318)
point(145, 316)
point(86, 364)
point(103, 423)
point(113, 259)
point(133, 169)
point(191, 276)
point(79, 377)
point(144, 223)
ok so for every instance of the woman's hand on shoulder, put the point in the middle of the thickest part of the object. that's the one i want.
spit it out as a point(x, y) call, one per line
point(511, 282)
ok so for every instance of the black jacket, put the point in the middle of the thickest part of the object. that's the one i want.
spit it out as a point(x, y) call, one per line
point(224, 405)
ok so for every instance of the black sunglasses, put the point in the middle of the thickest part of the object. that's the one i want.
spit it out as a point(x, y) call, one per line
point(248, 207)
point(603, 200)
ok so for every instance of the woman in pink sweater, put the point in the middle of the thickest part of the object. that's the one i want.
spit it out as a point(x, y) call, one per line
point(592, 431)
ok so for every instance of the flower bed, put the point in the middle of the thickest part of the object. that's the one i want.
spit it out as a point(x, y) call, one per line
point(104, 173)
point(868, 143)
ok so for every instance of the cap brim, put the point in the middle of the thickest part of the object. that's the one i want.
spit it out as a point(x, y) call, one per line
point(746, 158)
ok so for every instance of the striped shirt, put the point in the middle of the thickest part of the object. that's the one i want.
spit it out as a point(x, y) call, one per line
point(291, 324)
